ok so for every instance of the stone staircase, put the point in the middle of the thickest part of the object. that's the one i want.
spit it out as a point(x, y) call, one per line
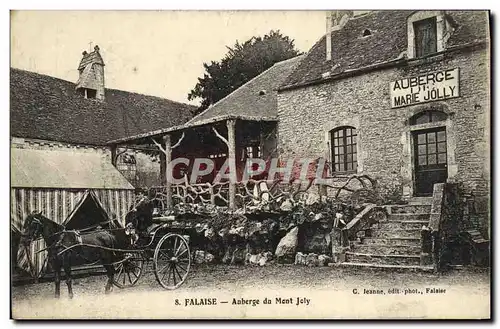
point(393, 242)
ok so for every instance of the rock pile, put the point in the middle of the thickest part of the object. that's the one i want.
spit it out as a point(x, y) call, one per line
point(285, 228)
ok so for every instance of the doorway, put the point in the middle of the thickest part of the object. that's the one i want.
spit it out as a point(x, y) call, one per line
point(430, 159)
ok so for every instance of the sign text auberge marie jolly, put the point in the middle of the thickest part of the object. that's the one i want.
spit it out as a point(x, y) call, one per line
point(428, 87)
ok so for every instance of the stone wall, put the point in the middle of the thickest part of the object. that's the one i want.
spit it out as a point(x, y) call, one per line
point(39, 144)
point(308, 114)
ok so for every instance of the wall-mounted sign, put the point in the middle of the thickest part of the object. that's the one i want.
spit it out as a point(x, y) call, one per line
point(429, 87)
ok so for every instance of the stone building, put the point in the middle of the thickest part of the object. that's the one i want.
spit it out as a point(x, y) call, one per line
point(402, 96)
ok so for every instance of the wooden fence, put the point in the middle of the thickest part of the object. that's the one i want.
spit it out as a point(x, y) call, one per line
point(257, 191)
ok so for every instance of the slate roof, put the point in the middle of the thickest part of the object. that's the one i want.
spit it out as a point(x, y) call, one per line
point(44, 107)
point(258, 97)
point(64, 169)
point(350, 51)
point(245, 103)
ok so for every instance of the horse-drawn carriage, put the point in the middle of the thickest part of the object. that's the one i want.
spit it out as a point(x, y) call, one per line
point(124, 252)
point(170, 256)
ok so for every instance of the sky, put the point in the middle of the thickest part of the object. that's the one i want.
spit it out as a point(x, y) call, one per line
point(158, 53)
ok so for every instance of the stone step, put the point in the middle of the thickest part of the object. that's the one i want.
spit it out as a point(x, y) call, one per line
point(355, 257)
point(391, 241)
point(388, 267)
point(407, 216)
point(387, 249)
point(400, 225)
point(420, 200)
point(408, 209)
point(396, 233)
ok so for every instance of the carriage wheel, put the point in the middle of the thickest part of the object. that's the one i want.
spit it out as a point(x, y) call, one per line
point(171, 261)
point(128, 272)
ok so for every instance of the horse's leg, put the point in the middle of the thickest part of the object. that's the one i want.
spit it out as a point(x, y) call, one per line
point(110, 272)
point(69, 279)
point(56, 264)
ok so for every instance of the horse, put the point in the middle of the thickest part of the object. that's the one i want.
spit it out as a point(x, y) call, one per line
point(62, 244)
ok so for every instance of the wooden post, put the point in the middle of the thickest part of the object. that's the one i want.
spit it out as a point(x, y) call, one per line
point(168, 159)
point(212, 195)
point(163, 169)
point(232, 161)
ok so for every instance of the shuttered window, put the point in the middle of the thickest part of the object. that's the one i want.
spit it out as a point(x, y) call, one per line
point(425, 36)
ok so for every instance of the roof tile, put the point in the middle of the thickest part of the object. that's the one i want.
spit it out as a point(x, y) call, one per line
point(256, 98)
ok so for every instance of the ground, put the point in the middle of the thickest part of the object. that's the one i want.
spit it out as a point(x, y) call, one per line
point(333, 292)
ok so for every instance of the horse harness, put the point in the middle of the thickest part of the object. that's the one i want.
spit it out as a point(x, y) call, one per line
point(58, 242)
point(130, 231)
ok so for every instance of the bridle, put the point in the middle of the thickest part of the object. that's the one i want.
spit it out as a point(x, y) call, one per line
point(30, 237)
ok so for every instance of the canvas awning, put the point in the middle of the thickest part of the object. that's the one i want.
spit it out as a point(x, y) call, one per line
point(89, 208)
point(65, 170)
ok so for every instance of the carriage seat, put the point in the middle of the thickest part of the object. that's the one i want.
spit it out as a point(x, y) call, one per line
point(145, 237)
point(151, 230)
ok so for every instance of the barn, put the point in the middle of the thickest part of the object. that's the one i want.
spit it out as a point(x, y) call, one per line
point(78, 190)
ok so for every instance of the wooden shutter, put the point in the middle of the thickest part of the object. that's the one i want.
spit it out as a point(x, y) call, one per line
point(425, 36)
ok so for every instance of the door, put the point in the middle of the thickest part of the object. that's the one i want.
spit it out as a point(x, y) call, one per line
point(430, 159)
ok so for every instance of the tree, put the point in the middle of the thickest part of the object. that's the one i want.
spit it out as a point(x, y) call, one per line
point(241, 63)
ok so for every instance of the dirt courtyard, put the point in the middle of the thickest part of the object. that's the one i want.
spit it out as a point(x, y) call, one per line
point(222, 291)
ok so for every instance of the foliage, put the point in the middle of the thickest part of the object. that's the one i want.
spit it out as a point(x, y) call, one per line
point(392, 195)
point(242, 62)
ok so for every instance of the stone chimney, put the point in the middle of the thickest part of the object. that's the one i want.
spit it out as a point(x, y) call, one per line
point(335, 20)
point(90, 83)
point(328, 36)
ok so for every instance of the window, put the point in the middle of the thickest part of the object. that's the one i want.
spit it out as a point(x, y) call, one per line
point(427, 116)
point(128, 159)
point(344, 153)
point(428, 32)
point(91, 93)
point(251, 152)
point(88, 93)
point(425, 36)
